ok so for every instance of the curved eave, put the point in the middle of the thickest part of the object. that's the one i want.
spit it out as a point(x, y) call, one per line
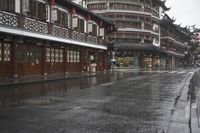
point(84, 11)
point(162, 4)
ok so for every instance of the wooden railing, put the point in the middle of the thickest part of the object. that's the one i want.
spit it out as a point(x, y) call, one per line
point(9, 19)
point(29, 24)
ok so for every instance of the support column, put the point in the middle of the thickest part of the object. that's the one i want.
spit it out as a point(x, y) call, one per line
point(14, 60)
point(65, 60)
point(44, 61)
point(136, 59)
point(82, 59)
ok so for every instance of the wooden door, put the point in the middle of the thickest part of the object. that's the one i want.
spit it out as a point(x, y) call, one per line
point(5, 59)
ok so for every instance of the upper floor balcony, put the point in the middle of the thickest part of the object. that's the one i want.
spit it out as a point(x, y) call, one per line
point(53, 22)
point(130, 6)
point(174, 39)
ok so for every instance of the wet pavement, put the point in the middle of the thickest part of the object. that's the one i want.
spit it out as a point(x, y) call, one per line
point(195, 104)
point(126, 101)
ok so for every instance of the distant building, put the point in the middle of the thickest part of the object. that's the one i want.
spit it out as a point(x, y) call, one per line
point(174, 40)
point(138, 24)
point(44, 37)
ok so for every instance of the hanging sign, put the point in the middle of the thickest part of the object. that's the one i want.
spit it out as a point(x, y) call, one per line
point(54, 15)
point(101, 32)
point(75, 22)
point(90, 27)
point(25, 4)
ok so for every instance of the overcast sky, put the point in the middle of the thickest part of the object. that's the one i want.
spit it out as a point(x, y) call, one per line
point(186, 12)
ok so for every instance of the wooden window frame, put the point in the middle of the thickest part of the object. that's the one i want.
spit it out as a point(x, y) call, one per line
point(38, 10)
point(68, 55)
point(52, 58)
point(6, 52)
point(48, 54)
point(61, 51)
point(56, 54)
point(5, 5)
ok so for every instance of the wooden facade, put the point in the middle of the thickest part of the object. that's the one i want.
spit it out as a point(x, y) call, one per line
point(138, 22)
point(174, 40)
point(50, 36)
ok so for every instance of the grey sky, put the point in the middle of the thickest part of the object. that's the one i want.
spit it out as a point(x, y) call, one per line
point(186, 12)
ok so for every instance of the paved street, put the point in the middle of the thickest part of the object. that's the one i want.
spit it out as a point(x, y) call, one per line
point(128, 101)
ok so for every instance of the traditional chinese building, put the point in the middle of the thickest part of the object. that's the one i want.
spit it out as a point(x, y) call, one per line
point(174, 40)
point(138, 24)
point(50, 36)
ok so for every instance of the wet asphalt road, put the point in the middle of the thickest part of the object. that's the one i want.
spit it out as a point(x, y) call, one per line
point(125, 102)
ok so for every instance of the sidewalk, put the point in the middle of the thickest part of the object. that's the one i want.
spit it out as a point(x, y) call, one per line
point(181, 112)
point(195, 106)
point(8, 81)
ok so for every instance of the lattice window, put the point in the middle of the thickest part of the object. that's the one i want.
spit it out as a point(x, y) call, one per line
point(75, 59)
point(61, 55)
point(48, 55)
point(94, 32)
point(62, 19)
point(38, 10)
point(71, 56)
point(56, 55)
point(0, 52)
point(7, 5)
point(78, 56)
point(52, 55)
point(34, 9)
point(81, 25)
point(41, 11)
point(6, 52)
point(68, 56)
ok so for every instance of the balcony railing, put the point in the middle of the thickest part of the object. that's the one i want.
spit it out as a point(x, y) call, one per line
point(78, 36)
point(92, 39)
point(29, 24)
point(34, 25)
point(9, 19)
point(61, 32)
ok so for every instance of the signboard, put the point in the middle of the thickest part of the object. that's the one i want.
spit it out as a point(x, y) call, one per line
point(101, 32)
point(90, 26)
point(75, 22)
